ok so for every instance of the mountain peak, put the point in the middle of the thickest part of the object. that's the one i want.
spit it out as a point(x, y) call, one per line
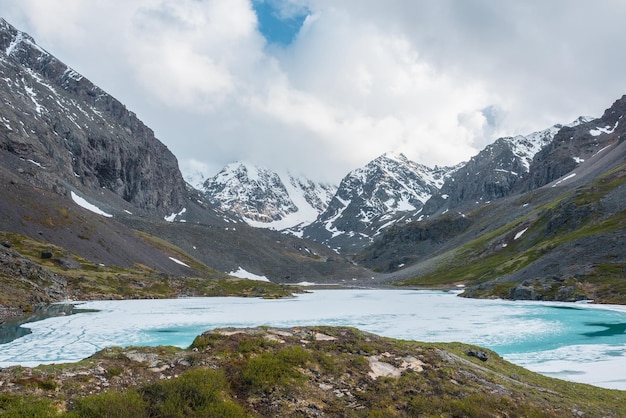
point(11, 39)
point(392, 155)
point(617, 109)
point(56, 117)
point(267, 199)
point(389, 189)
point(6, 26)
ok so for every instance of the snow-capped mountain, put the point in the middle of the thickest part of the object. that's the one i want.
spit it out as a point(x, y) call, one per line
point(266, 199)
point(495, 171)
point(525, 147)
point(81, 172)
point(390, 190)
point(387, 190)
point(195, 178)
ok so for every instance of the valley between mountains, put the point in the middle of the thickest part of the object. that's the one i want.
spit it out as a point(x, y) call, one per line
point(93, 206)
point(537, 217)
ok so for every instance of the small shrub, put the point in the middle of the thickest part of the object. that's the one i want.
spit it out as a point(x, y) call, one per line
point(113, 372)
point(26, 406)
point(267, 371)
point(253, 345)
point(114, 404)
point(196, 393)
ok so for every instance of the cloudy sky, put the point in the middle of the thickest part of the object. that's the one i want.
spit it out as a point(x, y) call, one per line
point(321, 87)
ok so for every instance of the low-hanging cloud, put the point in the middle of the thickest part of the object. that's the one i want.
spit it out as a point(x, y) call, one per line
point(435, 79)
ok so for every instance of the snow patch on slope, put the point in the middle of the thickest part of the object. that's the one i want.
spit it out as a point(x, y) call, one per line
point(90, 207)
point(570, 176)
point(173, 216)
point(525, 147)
point(243, 274)
point(519, 234)
point(603, 130)
point(177, 261)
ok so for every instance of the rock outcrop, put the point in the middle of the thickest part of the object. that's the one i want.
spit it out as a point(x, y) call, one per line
point(24, 284)
point(77, 136)
point(307, 372)
point(573, 145)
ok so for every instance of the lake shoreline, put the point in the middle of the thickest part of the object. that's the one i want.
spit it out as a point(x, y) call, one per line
point(13, 318)
point(11, 327)
point(305, 371)
point(528, 331)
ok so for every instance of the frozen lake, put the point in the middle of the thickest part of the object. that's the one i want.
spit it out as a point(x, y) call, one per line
point(578, 342)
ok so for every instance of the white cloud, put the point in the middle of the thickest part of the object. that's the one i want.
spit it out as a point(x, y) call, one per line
point(435, 79)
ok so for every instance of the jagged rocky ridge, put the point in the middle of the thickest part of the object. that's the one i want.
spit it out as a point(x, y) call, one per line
point(63, 139)
point(64, 124)
point(267, 199)
point(556, 235)
point(388, 190)
point(495, 172)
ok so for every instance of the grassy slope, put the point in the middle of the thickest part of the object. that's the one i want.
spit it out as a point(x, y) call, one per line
point(86, 280)
point(318, 371)
point(486, 259)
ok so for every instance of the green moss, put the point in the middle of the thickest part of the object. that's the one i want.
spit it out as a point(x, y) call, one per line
point(136, 282)
point(269, 371)
point(196, 393)
point(16, 406)
point(304, 376)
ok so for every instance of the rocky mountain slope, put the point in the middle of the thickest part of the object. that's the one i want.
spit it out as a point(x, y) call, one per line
point(35, 273)
point(75, 135)
point(310, 371)
point(558, 233)
point(388, 190)
point(81, 172)
point(495, 172)
point(265, 199)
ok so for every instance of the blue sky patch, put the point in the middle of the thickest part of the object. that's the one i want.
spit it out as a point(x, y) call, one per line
point(276, 24)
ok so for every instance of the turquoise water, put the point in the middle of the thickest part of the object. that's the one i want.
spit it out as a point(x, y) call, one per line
point(570, 325)
point(572, 341)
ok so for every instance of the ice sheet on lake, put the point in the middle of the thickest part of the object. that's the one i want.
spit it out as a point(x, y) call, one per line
point(566, 341)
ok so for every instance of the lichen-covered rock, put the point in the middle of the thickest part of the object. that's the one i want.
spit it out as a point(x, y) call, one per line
point(24, 284)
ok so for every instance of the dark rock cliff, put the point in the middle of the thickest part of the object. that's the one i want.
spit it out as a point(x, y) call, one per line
point(490, 175)
point(573, 145)
point(77, 135)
